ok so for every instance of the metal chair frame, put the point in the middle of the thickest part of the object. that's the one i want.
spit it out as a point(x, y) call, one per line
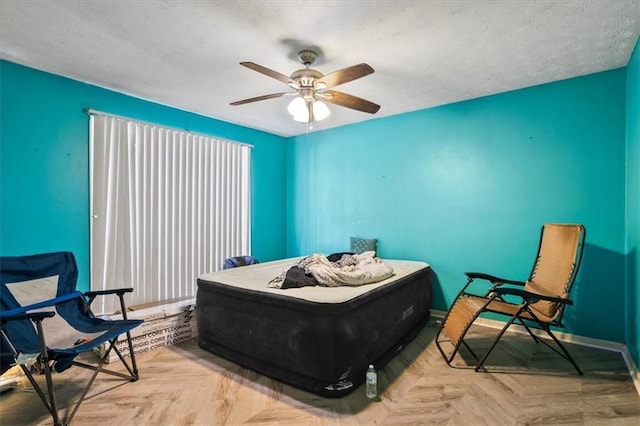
point(524, 315)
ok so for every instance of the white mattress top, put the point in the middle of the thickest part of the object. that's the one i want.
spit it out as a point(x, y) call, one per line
point(256, 277)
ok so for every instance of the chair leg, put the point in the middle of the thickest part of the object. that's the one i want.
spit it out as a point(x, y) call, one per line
point(132, 377)
point(470, 350)
point(133, 372)
point(132, 355)
point(49, 399)
point(526, 327)
point(53, 407)
point(495, 342)
point(567, 356)
point(134, 366)
point(97, 369)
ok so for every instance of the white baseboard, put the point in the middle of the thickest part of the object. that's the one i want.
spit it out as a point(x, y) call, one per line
point(569, 338)
point(631, 365)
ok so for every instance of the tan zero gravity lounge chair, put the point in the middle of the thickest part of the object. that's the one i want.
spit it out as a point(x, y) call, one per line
point(541, 299)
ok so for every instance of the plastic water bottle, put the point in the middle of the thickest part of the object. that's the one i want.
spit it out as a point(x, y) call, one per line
point(372, 382)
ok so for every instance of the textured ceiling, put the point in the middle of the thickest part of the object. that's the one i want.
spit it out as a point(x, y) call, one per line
point(185, 54)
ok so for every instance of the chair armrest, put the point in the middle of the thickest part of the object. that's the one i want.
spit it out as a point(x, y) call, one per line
point(91, 296)
point(117, 291)
point(531, 297)
point(43, 304)
point(35, 316)
point(493, 279)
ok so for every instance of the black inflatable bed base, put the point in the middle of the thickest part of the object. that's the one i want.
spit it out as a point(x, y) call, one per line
point(320, 339)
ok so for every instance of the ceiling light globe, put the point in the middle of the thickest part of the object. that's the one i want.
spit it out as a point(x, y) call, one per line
point(297, 107)
point(302, 118)
point(320, 110)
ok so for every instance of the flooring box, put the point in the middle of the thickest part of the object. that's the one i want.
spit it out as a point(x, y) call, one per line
point(164, 324)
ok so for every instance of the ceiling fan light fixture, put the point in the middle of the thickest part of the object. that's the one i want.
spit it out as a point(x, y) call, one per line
point(300, 112)
point(320, 110)
point(298, 109)
point(301, 118)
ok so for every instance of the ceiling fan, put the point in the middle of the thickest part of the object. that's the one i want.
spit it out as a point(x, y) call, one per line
point(312, 87)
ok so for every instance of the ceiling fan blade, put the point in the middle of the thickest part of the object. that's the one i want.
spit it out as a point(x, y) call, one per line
point(258, 98)
point(345, 75)
point(349, 101)
point(271, 73)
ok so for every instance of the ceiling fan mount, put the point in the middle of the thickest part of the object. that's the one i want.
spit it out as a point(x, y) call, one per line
point(306, 77)
point(307, 57)
point(313, 87)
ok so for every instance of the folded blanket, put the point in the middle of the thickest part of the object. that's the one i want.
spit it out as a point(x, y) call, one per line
point(351, 270)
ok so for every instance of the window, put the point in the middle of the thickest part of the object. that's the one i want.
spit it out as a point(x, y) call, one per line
point(166, 206)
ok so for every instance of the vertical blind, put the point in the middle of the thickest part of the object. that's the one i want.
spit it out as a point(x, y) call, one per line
point(166, 206)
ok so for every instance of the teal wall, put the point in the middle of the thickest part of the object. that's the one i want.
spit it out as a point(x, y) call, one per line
point(633, 204)
point(44, 164)
point(463, 186)
point(467, 186)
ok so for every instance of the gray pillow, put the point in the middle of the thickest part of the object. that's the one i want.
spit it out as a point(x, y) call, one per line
point(360, 245)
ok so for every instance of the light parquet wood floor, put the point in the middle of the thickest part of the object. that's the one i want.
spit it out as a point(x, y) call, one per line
point(526, 383)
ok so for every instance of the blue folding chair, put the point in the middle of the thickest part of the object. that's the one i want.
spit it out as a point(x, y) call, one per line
point(46, 323)
point(236, 261)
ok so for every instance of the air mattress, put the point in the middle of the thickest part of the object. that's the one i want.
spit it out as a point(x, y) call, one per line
point(320, 339)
